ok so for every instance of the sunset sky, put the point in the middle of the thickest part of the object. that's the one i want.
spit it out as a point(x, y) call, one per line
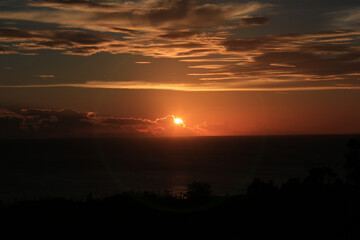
point(74, 68)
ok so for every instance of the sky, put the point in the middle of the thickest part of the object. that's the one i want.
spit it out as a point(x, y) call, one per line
point(128, 68)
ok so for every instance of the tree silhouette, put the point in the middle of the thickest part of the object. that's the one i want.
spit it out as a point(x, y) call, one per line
point(198, 191)
point(352, 164)
point(259, 187)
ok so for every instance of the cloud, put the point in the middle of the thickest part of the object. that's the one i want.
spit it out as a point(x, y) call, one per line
point(283, 42)
point(65, 36)
point(125, 30)
point(7, 50)
point(307, 55)
point(73, 41)
point(347, 19)
point(200, 34)
point(207, 66)
point(45, 76)
point(254, 21)
point(281, 65)
point(157, 28)
point(178, 34)
point(73, 4)
point(45, 123)
point(313, 61)
point(144, 14)
point(307, 63)
point(155, 13)
point(14, 34)
point(292, 61)
point(201, 60)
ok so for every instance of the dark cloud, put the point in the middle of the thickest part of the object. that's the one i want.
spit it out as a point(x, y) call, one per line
point(165, 10)
point(156, 13)
point(321, 53)
point(80, 37)
point(64, 122)
point(74, 41)
point(85, 43)
point(247, 44)
point(312, 64)
point(295, 69)
point(253, 21)
point(83, 50)
point(153, 26)
point(14, 33)
point(87, 2)
point(70, 3)
point(34, 123)
point(327, 59)
point(326, 48)
point(172, 13)
point(126, 30)
point(55, 36)
point(289, 41)
point(184, 45)
point(114, 121)
point(194, 52)
point(7, 50)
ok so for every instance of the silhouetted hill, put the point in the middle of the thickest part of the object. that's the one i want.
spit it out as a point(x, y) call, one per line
point(294, 211)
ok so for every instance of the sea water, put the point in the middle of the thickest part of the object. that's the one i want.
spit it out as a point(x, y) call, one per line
point(72, 168)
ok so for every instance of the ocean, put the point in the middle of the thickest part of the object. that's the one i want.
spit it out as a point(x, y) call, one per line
point(74, 168)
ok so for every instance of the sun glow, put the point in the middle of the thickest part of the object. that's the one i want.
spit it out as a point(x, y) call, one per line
point(178, 121)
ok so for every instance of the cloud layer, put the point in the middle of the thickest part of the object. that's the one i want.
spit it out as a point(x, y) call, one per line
point(158, 28)
point(207, 35)
point(45, 123)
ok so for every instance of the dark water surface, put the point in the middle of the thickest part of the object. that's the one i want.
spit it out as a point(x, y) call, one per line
point(76, 167)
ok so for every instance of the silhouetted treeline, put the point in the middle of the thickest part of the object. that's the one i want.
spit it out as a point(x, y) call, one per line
point(320, 206)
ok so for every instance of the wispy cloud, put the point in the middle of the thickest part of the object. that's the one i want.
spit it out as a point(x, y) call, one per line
point(201, 60)
point(250, 84)
point(207, 66)
point(281, 65)
point(347, 19)
point(45, 76)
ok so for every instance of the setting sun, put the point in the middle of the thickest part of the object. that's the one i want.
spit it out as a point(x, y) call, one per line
point(178, 121)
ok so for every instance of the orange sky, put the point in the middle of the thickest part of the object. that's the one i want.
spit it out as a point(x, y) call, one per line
point(204, 113)
point(225, 67)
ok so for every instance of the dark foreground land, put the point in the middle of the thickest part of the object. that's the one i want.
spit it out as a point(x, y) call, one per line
point(320, 206)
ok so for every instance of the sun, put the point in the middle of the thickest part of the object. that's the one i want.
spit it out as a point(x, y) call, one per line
point(178, 121)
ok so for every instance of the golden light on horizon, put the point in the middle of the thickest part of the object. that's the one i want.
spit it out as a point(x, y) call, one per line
point(178, 121)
